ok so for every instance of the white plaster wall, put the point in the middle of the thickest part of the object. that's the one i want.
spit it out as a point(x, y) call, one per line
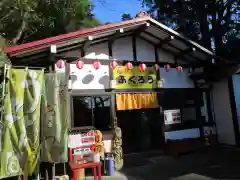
point(223, 115)
point(174, 79)
point(122, 49)
point(182, 134)
point(107, 140)
point(163, 56)
point(98, 51)
point(236, 88)
point(145, 51)
point(89, 78)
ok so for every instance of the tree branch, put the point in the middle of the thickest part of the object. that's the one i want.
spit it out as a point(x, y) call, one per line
point(21, 29)
point(2, 3)
point(7, 15)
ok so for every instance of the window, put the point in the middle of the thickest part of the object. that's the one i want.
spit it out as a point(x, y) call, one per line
point(188, 114)
point(92, 111)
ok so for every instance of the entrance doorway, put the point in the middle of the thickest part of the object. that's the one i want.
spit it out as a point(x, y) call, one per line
point(142, 129)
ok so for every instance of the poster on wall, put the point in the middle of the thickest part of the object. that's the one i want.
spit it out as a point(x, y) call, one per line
point(172, 116)
point(81, 139)
point(134, 78)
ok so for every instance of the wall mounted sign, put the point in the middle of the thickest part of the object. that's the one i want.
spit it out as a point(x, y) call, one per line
point(81, 151)
point(81, 139)
point(134, 78)
point(172, 116)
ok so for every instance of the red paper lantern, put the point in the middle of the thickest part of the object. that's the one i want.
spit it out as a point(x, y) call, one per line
point(96, 65)
point(60, 64)
point(129, 66)
point(79, 64)
point(179, 68)
point(113, 64)
point(167, 67)
point(156, 67)
point(142, 67)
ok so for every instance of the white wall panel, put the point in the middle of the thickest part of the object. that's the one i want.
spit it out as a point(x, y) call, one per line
point(122, 49)
point(89, 78)
point(145, 51)
point(183, 134)
point(98, 51)
point(174, 79)
point(236, 89)
point(163, 56)
point(223, 115)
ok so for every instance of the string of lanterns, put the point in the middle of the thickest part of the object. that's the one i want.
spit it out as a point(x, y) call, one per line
point(113, 64)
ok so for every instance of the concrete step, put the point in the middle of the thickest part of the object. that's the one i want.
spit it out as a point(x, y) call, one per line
point(117, 176)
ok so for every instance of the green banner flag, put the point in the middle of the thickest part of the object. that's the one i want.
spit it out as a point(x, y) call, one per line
point(21, 122)
point(54, 119)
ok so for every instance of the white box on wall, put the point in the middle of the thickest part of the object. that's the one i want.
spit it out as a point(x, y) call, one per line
point(90, 78)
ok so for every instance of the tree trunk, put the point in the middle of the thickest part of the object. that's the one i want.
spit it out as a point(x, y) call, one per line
point(21, 29)
point(2, 2)
point(204, 29)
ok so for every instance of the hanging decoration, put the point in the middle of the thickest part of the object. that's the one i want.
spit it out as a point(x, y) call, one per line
point(179, 68)
point(60, 64)
point(119, 70)
point(79, 64)
point(167, 67)
point(156, 67)
point(142, 67)
point(113, 64)
point(96, 65)
point(129, 66)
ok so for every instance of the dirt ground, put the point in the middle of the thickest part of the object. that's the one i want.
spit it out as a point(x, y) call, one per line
point(222, 163)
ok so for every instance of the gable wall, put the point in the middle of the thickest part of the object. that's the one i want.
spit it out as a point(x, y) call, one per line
point(122, 50)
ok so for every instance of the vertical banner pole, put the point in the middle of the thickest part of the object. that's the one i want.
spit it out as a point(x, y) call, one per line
point(2, 102)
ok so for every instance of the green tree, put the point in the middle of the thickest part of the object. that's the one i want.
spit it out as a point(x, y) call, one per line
point(126, 16)
point(29, 20)
point(201, 20)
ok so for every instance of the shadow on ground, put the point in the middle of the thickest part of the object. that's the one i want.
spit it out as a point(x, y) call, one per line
point(208, 164)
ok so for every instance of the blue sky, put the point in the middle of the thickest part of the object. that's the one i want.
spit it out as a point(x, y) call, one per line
point(111, 10)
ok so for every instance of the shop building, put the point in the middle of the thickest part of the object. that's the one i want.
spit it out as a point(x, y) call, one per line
point(139, 72)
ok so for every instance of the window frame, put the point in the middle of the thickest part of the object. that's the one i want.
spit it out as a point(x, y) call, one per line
point(91, 94)
point(182, 93)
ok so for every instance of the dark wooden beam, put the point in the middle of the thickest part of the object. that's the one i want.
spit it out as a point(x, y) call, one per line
point(165, 41)
point(166, 50)
point(76, 46)
point(183, 39)
point(110, 51)
point(134, 48)
point(156, 53)
point(116, 35)
point(141, 29)
point(187, 51)
point(87, 43)
point(176, 55)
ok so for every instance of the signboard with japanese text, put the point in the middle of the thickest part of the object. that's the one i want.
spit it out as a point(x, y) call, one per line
point(81, 139)
point(134, 78)
point(172, 116)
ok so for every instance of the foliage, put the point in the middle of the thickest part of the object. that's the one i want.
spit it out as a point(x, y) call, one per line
point(201, 20)
point(29, 20)
point(126, 16)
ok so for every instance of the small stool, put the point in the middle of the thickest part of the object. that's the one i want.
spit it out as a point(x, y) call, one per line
point(96, 166)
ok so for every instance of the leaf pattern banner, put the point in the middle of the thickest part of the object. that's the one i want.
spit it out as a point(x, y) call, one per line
point(54, 119)
point(20, 137)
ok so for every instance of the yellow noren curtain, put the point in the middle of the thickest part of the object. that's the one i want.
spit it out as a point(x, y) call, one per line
point(131, 101)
